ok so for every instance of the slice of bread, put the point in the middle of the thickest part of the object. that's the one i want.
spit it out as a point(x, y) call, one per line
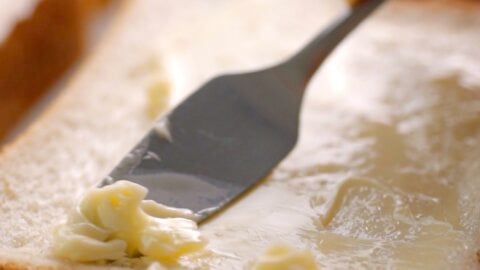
point(39, 41)
point(396, 106)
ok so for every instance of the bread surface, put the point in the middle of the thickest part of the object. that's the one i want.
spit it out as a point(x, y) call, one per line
point(387, 62)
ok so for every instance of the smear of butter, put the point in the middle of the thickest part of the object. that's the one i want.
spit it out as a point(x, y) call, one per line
point(368, 217)
point(281, 257)
point(153, 76)
point(158, 88)
point(158, 96)
point(115, 221)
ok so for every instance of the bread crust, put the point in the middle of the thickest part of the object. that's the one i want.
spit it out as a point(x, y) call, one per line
point(38, 51)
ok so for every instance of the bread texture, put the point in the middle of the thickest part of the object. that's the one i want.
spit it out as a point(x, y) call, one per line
point(385, 99)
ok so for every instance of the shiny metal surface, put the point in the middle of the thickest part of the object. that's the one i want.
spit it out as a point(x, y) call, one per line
point(232, 131)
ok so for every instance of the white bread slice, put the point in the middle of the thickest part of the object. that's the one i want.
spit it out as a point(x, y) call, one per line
point(370, 109)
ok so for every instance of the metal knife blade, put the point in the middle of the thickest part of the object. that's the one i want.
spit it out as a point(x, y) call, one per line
point(231, 132)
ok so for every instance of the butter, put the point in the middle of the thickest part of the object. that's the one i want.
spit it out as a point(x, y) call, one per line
point(367, 216)
point(336, 203)
point(156, 266)
point(282, 257)
point(153, 75)
point(158, 96)
point(114, 222)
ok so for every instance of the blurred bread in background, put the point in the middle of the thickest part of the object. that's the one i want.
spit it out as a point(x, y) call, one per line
point(39, 41)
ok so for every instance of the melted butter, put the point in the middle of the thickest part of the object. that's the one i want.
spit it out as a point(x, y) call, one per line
point(338, 200)
point(114, 222)
point(281, 257)
point(369, 218)
point(389, 185)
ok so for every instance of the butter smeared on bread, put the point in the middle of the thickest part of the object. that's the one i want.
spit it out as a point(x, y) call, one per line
point(115, 221)
point(39, 41)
